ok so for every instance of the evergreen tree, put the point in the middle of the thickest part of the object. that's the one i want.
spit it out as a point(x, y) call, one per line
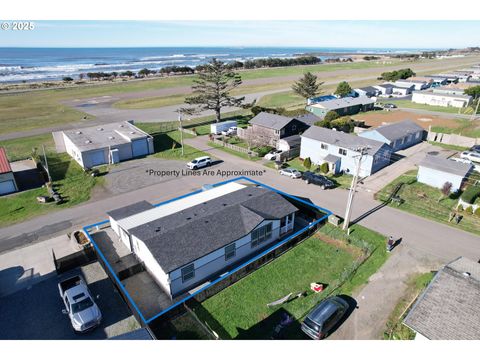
point(343, 89)
point(308, 86)
point(211, 90)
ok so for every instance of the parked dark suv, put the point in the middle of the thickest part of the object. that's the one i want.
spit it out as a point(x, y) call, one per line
point(324, 317)
point(320, 180)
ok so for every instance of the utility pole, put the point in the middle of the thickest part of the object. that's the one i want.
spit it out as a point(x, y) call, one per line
point(353, 187)
point(474, 115)
point(181, 131)
point(46, 164)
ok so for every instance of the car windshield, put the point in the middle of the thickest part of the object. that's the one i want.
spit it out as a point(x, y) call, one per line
point(194, 161)
point(82, 305)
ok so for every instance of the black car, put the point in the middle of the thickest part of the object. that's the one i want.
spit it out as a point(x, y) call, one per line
point(323, 318)
point(475, 148)
point(320, 180)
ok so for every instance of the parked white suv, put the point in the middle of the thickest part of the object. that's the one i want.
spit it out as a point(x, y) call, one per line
point(231, 131)
point(470, 155)
point(272, 155)
point(199, 163)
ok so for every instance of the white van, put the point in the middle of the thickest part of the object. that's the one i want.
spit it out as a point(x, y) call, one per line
point(199, 162)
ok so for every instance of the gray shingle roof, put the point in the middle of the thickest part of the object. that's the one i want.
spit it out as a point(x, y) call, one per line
point(293, 141)
point(178, 239)
point(271, 121)
point(308, 119)
point(368, 89)
point(342, 139)
point(445, 165)
point(398, 130)
point(449, 308)
point(129, 210)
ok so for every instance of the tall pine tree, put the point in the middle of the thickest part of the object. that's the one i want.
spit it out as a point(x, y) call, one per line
point(308, 86)
point(211, 90)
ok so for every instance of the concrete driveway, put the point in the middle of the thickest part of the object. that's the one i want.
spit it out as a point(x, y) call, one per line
point(408, 160)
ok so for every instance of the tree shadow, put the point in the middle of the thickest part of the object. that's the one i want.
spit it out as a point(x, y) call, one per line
point(280, 325)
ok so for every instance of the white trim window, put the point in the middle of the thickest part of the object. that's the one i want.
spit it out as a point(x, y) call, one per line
point(342, 151)
point(230, 251)
point(324, 146)
point(261, 234)
point(188, 272)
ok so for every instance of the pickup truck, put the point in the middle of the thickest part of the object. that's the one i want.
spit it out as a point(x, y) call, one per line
point(79, 304)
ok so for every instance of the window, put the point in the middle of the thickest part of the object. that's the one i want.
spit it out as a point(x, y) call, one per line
point(261, 234)
point(324, 146)
point(294, 127)
point(188, 272)
point(230, 251)
point(342, 151)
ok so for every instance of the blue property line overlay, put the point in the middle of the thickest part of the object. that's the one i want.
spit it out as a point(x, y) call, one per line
point(124, 290)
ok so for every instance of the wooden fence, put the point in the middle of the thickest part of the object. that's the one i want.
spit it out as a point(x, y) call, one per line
point(235, 147)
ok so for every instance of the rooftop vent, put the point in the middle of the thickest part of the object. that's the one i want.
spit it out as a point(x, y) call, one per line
point(158, 229)
point(100, 129)
point(88, 141)
point(206, 221)
point(189, 218)
point(466, 274)
point(122, 125)
point(78, 132)
point(224, 204)
point(111, 138)
point(132, 132)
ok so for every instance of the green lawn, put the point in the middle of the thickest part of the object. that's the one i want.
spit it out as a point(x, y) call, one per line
point(168, 146)
point(150, 102)
point(233, 152)
point(428, 202)
point(70, 181)
point(285, 99)
point(21, 148)
point(412, 105)
point(448, 147)
point(395, 330)
point(241, 311)
point(464, 127)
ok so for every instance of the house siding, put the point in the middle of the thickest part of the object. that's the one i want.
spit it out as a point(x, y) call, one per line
point(437, 178)
point(396, 144)
point(439, 100)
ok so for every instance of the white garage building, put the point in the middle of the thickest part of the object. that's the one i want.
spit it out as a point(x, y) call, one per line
point(7, 180)
point(435, 98)
point(189, 241)
point(104, 144)
point(435, 171)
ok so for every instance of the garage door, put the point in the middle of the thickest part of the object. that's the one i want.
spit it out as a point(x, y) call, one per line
point(7, 187)
point(140, 147)
point(97, 158)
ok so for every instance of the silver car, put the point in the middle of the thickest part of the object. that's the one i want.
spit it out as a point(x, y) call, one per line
point(291, 172)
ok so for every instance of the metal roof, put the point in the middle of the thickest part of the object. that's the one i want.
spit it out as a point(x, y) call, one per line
point(445, 165)
point(4, 163)
point(341, 103)
point(341, 139)
point(432, 92)
point(448, 308)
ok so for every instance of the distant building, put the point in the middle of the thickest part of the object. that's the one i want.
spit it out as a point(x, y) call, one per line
point(402, 90)
point(7, 180)
point(368, 91)
point(104, 144)
point(385, 89)
point(417, 85)
point(435, 171)
point(432, 80)
point(434, 98)
point(343, 106)
point(399, 135)
point(448, 308)
point(268, 129)
point(194, 239)
point(341, 151)
point(456, 76)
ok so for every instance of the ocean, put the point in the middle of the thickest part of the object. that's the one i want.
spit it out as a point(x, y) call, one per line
point(47, 64)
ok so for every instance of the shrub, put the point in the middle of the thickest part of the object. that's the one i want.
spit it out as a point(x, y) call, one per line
point(470, 194)
point(323, 123)
point(324, 168)
point(307, 163)
point(331, 115)
point(263, 150)
point(345, 124)
point(469, 210)
point(477, 211)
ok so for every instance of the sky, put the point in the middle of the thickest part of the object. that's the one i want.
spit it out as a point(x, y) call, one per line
point(356, 34)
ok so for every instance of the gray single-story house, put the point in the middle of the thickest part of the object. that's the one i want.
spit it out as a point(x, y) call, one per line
point(368, 91)
point(448, 308)
point(104, 144)
point(385, 89)
point(399, 135)
point(7, 179)
point(192, 240)
point(343, 106)
point(342, 151)
point(435, 171)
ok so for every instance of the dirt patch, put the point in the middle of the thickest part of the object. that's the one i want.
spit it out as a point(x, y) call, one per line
point(385, 117)
point(355, 251)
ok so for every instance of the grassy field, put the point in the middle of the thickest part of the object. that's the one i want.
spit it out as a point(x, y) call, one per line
point(19, 149)
point(464, 127)
point(448, 147)
point(412, 105)
point(70, 181)
point(233, 152)
point(240, 311)
point(428, 202)
point(395, 330)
